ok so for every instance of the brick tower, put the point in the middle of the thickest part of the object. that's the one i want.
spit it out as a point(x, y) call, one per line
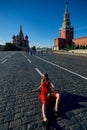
point(67, 34)
point(66, 31)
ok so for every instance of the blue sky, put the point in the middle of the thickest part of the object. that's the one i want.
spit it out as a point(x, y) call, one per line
point(40, 19)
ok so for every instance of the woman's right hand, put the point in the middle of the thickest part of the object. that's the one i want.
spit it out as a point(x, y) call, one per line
point(34, 90)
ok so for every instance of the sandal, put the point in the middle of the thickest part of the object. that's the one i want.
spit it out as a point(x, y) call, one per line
point(56, 113)
point(45, 122)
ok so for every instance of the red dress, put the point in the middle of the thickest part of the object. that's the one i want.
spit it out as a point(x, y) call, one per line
point(46, 92)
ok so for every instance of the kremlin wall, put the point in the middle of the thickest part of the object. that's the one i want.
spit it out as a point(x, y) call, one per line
point(82, 41)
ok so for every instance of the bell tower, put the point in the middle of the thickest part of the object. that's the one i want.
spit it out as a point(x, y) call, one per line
point(21, 36)
point(66, 31)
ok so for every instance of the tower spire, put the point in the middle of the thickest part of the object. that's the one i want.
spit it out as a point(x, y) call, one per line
point(66, 28)
point(66, 21)
point(66, 9)
point(20, 27)
point(21, 33)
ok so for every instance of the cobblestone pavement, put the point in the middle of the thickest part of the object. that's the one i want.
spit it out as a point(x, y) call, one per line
point(20, 108)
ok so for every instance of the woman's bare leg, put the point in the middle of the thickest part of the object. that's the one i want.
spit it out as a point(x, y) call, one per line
point(57, 101)
point(43, 112)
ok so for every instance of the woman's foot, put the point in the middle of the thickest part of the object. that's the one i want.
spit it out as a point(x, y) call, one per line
point(56, 111)
point(45, 119)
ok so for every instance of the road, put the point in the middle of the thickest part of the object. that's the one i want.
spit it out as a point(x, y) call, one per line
point(20, 108)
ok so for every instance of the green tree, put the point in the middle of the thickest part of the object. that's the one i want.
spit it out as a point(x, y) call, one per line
point(33, 48)
point(9, 47)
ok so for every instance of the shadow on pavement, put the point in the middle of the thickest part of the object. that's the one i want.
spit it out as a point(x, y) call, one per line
point(68, 102)
point(52, 123)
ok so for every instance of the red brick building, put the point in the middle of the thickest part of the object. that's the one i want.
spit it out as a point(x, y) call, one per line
point(82, 41)
point(67, 34)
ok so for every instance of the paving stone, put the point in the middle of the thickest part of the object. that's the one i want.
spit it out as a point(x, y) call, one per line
point(8, 118)
point(84, 124)
point(68, 122)
point(32, 126)
point(19, 128)
point(1, 120)
point(28, 119)
point(4, 126)
point(15, 123)
point(61, 123)
point(70, 114)
point(76, 127)
point(83, 115)
point(17, 116)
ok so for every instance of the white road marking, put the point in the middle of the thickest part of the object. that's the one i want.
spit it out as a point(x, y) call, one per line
point(3, 58)
point(3, 61)
point(23, 54)
point(26, 57)
point(9, 56)
point(52, 85)
point(62, 68)
point(29, 60)
point(39, 72)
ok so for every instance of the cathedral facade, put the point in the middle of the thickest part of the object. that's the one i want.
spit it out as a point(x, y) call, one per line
point(67, 34)
point(20, 41)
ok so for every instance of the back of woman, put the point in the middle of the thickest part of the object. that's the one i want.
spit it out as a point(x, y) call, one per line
point(46, 88)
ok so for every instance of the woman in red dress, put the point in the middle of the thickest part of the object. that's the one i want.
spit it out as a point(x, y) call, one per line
point(46, 91)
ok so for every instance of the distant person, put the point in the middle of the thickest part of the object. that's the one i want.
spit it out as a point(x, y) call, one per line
point(46, 91)
point(31, 51)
